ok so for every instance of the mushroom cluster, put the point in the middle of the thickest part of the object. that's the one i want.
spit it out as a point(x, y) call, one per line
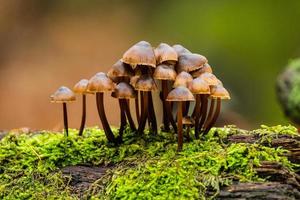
point(183, 76)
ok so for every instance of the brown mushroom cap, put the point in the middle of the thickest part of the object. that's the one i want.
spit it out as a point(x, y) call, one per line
point(190, 62)
point(81, 87)
point(120, 69)
point(63, 95)
point(134, 79)
point(188, 120)
point(210, 78)
point(165, 53)
point(218, 91)
point(180, 93)
point(180, 49)
point(164, 72)
point(199, 86)
point(183, 79)
point(140, 54)
point(145, 83)
point(100, 83)
point(206, 68)
point(124, 91)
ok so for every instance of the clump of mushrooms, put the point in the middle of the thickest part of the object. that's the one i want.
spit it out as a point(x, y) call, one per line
point(133, 77)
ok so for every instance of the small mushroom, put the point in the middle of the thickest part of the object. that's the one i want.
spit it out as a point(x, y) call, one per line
point(188, 122)
point(140, 54)
point(166, 73)
point(201, 89)
point(81, 88)
point(190, 62)
point(180, 49)
point(63, 95)
point(219, 93)
point(180, 94)
point(206, 68)
point(210, 78)
point(120, 72)
point(99, 84)
point(165, 54)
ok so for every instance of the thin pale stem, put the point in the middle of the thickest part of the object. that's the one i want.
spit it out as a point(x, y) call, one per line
point(215, 117)
point(137, 108)
point(197, 115)
point(128, 114)
point(144, 114)
point(152, 116)
point(204, 102)
point(210, 113)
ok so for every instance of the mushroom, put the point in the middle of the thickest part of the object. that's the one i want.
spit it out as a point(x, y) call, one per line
point(81, 88)
point(180, 94)
point(166, 73)
point(206, 68)
point(133, 81)
point(124, 92)
point(140, 54)
point(180, 49)
point(190, 62)
point(99, 84)
point(219, 93)
point(63, 95)
point(200, 88)
point(165, 54)
point(145, 84)
point(188, 122)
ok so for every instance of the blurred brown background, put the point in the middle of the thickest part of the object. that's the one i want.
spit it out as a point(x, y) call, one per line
point(46, 44)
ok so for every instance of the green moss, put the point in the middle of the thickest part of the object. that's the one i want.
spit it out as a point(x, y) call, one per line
point(145, 167)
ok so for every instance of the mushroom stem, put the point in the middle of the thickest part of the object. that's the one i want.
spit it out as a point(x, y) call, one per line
point(198, 108)
point(144, 114)
point(179, 126)
point(101, 111)
point(65, 118)
point(164, 89)
point(123, 121)
point(128, 114)
point(137, 109)
point(204, 102)
point(152, 116)
point(169, 106)
point(83, 117)
point(215, 117)
point(210, 113)
point(186, 107)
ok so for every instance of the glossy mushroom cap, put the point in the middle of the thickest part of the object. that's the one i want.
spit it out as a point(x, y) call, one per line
point(63, 95)
point(134, 79)
point(206, 68)
point(81, 87)
point(190, 62)
point(140, 54)
point(100, 83)
point(165, 53)
point(188, 120)
point(124, 91)
point(220, 92)
point(183, 79)
point(164, 72)
point(210, 78)
point(180, 49)
point(199, 86)
point(145, 83)
point(180, 93)
point(120, 69)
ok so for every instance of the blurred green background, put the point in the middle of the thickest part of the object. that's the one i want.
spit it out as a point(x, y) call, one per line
point(45, 44)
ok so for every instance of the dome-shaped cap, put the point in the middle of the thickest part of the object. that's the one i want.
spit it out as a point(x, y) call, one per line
point(140, 54)
point(63, 95)
point(164, 72)
point(206, 68)
point(81, 87)
point(180, 93)
point(120, 69)
point(145, 83)
point(218, 91)
point(187, 120)
point(199, 86)
point(190, 61)
point(180, 49)
point(134, 79)
point(165, 53)
point(183, 79)
point(210, 78)
point(100, 83)
point(124, 91)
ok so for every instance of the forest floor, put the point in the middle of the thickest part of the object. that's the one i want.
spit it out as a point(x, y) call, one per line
point(227, 163)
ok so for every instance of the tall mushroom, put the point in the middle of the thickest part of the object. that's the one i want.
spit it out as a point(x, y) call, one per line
point(81, 88)
point(99, 84)
point(166, 73)
point(63, 95)
point(180, 94)
point(165, 54)
point(218, 92)
point(200, 88)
